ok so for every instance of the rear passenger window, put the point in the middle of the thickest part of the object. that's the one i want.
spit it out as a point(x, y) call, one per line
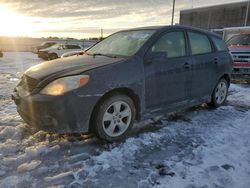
point(219, 44)
point(173, 43)
point(200, 43)
point(72, 47)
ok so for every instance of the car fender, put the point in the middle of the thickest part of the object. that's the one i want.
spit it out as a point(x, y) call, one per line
point(126, 74)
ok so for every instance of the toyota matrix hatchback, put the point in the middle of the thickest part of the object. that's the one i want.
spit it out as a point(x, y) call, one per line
point(131, 75)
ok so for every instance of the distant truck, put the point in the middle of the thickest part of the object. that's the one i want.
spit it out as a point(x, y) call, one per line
point(239, 47)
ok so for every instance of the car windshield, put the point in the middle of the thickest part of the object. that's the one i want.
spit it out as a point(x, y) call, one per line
point(47, 44)
point(55, 46)
point(239, 40)
point(125, 43)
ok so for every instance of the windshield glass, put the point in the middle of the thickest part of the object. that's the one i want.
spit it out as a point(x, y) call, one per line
point(125, 43)
point(239, 40)
point(56, 46)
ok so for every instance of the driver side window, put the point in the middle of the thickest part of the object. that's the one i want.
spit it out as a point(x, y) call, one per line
point(173, 43)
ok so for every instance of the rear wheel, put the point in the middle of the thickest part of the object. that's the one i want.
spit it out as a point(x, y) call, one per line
point(114, 118)
point(220, 92)
point(53, 56)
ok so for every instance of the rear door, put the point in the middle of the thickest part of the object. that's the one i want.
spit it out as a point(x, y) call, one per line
point(204, 65)
point(167, 70)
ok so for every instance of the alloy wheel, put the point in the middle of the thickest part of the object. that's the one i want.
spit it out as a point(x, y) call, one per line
point(117, 118)
point(221, 92)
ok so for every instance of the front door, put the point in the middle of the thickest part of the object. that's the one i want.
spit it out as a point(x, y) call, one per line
point(167, 70)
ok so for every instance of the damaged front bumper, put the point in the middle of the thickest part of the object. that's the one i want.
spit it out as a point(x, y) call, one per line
point(68, 113)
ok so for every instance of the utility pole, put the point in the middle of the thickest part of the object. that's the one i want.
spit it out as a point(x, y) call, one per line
point(101, 33)
point(246, 17)
point(172, 22)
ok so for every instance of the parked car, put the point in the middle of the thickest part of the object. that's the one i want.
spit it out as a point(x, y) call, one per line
point(68, 54)
point(239, 46)
point(58, 50)
point(44, 45)
point(1, 54)
point(131, 75)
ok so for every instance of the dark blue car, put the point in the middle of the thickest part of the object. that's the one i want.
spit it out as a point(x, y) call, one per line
point(131, 75)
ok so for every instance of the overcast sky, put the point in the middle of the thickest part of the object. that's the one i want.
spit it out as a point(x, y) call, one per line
point(84, 18)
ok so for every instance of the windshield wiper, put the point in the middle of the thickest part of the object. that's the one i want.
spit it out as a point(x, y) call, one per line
point(106, 55)
point(88, 53)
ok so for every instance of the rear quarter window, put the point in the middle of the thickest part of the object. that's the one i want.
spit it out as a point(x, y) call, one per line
point(219, 44)
point(199, 43)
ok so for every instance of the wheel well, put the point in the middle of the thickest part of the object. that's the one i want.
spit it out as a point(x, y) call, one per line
point(53, 53)
point(227, 78)
point(130, 93)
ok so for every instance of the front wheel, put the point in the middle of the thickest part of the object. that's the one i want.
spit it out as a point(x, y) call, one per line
point(220, 92)
point(114, 118)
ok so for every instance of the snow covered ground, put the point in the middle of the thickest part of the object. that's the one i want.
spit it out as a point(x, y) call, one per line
point(199, 147)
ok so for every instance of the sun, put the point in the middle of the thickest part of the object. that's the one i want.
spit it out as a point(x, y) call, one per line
point(14, 24)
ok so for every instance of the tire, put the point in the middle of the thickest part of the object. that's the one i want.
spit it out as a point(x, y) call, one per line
point(114, 118)
point(220, 93)
point(53, 56)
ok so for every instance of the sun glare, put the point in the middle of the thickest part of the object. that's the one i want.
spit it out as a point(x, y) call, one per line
point(14, 24)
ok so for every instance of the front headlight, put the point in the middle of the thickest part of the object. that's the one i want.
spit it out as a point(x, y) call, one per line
point(65, 84)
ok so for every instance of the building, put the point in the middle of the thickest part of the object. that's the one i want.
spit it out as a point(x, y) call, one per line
point(217, 17)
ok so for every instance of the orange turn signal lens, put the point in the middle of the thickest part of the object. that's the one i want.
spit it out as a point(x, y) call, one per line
point(84, 80)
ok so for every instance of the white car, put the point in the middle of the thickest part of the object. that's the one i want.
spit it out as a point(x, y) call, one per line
point(68, 54)
point(58, 50)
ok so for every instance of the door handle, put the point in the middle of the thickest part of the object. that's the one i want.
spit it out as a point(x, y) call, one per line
point(186, 65)
point(216, 60)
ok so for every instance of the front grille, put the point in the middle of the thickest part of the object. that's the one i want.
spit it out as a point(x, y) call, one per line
point(244, 57)
point(241, 56)
point(28, 83)
point(240, 60)
point(240, 52)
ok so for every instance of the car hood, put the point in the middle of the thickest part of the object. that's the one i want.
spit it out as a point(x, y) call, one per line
point(46, 49)
point(239, 48)
point(68, 66)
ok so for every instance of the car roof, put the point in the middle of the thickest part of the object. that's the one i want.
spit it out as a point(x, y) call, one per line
point(166, 27)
